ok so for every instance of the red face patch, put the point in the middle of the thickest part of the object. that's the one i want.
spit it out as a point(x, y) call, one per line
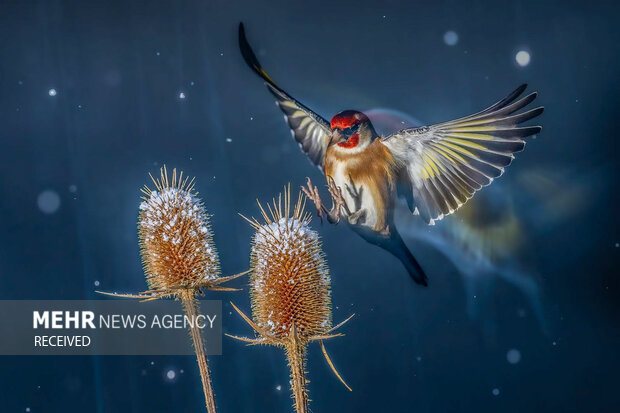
point(351, 142)
point(342, 122)
point(347, 119)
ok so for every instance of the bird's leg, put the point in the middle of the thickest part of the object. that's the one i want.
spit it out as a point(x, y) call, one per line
point(312, 192)
point(338, 204)
point(359, 216)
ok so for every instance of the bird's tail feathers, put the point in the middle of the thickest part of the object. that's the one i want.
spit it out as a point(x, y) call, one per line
point(398, 247)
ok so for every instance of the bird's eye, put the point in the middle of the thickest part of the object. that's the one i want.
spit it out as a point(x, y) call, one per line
point(351, 130)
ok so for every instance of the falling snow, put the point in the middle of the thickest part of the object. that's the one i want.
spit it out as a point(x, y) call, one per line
point(513, 356)
point(52, 92)
point(48, 201)
point(451, 38)
point(523, 58)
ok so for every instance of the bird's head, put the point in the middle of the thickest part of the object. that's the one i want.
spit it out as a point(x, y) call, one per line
point(352, 130)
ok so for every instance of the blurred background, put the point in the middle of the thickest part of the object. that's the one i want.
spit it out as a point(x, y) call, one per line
point(522, 311)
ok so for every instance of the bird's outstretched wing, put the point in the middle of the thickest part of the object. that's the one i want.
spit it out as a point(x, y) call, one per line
point(311, 131)
point(445, 164)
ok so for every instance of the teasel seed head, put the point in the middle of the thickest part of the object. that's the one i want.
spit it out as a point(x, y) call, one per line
point(290, 280)
point(176, 242)
point(290, 289)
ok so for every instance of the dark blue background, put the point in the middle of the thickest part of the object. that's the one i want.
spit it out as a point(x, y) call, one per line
point(119, 67)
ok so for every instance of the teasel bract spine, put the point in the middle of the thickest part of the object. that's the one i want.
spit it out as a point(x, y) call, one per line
point(290, 288)
point(179, 256)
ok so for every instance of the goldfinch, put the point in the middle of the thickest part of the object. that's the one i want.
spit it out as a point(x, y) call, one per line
point(436, 169)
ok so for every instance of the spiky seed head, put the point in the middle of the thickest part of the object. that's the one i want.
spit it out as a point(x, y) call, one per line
point(290, 281)
point(176, 242)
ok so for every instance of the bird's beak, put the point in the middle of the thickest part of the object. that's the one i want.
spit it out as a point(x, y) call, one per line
point(338, 137)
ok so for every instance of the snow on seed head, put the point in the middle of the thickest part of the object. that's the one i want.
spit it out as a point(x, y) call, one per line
point(290, 281)
point(176, 242)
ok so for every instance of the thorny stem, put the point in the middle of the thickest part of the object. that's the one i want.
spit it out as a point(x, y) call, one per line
point(295, 353)
point(292, 338)
point(191, 309)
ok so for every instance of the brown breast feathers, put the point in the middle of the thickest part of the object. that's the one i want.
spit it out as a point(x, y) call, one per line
point(375, 169)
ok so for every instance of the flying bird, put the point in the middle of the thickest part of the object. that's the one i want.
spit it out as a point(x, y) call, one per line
point(436, 169)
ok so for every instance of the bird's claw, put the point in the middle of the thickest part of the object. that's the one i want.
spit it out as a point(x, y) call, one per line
point(357, 217)
point(312, 192)
point(355, 193)
point(338, 199)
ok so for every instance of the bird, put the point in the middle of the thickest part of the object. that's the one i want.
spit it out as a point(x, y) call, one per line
point(435, 169)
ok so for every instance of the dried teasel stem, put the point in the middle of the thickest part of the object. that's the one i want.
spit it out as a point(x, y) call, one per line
point(190, 304)
point(296, 356)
